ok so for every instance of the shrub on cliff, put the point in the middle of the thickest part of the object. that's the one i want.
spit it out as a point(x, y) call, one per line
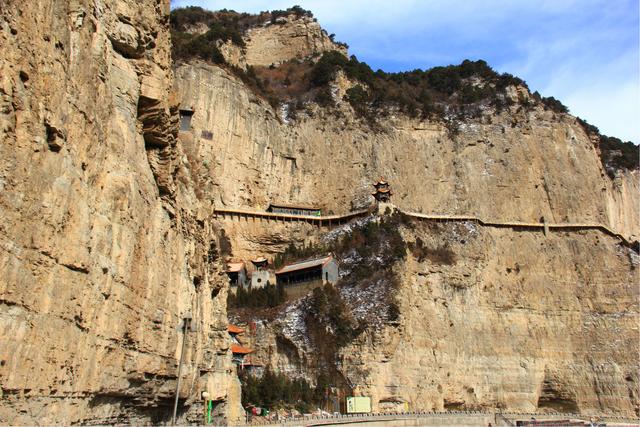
point(222, 26)
point(185, 17)
point(424, 92)
point(553, 104)
point(329, 318)
point(325, 69)
point(614, 153)
point(296, 10)
point(187, 46)
point(438, 255)
point(618, 154)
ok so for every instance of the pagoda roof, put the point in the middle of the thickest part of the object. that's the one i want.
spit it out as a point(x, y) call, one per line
point(238, 349)
point(382, 190)
point(233, 329)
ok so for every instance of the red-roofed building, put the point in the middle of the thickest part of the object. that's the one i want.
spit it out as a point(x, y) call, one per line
point(234, 330)
point(237, 349)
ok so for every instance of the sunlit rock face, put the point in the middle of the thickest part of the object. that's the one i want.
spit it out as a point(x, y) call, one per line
point(104, 246)
point(519, 321)
point(515, 166)
point(108, 237)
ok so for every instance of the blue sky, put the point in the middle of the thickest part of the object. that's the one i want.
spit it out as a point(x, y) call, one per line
point(583, 52)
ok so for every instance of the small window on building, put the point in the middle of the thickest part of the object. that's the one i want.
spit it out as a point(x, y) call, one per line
point(259, 280)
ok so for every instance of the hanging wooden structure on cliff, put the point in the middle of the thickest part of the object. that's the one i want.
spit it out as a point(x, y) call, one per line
point(294, 210)
point(323, 269)
point(237, 274)
point(260, 275)
point(383, 191)
point(238, 351)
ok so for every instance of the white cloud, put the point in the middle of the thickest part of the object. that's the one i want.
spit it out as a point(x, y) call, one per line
point(597, 81)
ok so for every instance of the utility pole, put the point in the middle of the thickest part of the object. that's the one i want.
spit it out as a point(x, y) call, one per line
point(186, 325)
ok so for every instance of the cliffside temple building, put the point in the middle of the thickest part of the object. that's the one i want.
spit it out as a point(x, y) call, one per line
point(383, 191)
point(260, 275)
point(238, 350)
point(237, 274)
point(321, 270)
point(294, 209)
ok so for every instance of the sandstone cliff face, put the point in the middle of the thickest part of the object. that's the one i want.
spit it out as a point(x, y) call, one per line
point(292, 37)
point(514, 166)
point(107, 241)
point(518, 321)
point(104, 246)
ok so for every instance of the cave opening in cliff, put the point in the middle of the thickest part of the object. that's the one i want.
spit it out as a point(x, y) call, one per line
point(185, 120)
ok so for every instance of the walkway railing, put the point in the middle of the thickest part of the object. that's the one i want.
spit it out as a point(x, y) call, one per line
point(501, 418)
point(543, 226)
point(325, 220)
point(335, 220)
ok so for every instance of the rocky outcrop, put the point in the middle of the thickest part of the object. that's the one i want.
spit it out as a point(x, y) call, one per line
point(289, 38)
point(104, 245)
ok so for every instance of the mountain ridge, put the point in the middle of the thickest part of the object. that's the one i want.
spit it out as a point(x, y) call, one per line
point(417, 92)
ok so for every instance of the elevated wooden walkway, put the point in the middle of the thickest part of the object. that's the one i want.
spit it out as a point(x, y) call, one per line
point(543, 226)
point(335, 220)
point(320, 221)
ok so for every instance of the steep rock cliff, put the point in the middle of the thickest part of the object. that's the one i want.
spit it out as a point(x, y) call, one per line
point(107, 241)
point(104, 246)
point(509, 320)
point(516, 165)
point(520, 321)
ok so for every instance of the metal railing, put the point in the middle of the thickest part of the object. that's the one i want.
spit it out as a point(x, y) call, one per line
point(506, 418)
